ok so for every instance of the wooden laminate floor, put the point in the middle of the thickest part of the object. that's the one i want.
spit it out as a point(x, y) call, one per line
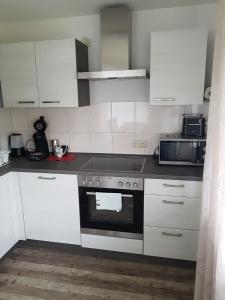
point(35, 271)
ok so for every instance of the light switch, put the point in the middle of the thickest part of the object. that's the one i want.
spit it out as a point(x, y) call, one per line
point(139, 144)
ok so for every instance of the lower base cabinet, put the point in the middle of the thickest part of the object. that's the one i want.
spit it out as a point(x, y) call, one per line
point(51, 207)
point(7, 235)
point(112, 243)
point(170, 243)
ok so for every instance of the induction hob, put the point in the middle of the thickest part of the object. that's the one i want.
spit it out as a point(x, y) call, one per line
point(115, 164)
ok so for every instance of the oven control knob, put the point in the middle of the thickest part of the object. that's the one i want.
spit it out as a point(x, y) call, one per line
point(120, 183)
point(91, 182)
point(127, 184)
point(135, 185)
point(98, 182)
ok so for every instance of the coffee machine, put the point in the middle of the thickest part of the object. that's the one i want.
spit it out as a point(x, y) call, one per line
point(40, 141)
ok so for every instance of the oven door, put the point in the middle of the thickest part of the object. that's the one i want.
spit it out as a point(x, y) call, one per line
point(178, 152)
point(125, 222)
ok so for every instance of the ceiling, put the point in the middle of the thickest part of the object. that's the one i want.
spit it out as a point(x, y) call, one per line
point(23, 10)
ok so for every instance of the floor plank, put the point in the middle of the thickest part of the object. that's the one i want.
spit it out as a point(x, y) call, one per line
point(37, 272)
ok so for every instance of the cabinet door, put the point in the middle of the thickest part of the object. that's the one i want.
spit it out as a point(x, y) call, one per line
point(177, 67)
point(18, 75)
point(7, 237)
point(51, 207)
point(56, 71)
point(170, 243)
point(172, 212)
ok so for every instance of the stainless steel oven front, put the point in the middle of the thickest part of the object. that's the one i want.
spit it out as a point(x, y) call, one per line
point(111, 206)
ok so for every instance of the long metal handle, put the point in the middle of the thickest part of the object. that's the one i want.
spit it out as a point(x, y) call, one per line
point(173, 202)
point(46, 178)
point(123, 195)
point(174, 185)
point(48, 102)
point(26, 102)
point(164, 99)
point(172, 234)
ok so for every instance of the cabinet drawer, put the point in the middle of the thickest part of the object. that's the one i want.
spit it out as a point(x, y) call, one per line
point(171, 243)
point(169, 211)
point(173, 187)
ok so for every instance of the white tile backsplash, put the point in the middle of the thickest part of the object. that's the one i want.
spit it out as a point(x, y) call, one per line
point(80, 142)
point(19, 119)
point(109, 127)
point(79, 119)
point(170, 119)
point(101, 142)
point(58, 120)
point(123, 116)
point(5, 121)
point(101, 117)
point(123, 143)
point(146, 118)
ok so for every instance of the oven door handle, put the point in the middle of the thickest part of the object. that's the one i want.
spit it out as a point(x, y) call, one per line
point(123, 195)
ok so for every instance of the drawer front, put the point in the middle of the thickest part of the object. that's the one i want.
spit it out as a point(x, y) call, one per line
point(169, 211)
point(170, 243)
point(173, 187)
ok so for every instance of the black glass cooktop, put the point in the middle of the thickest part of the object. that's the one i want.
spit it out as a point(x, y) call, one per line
point(118, 164)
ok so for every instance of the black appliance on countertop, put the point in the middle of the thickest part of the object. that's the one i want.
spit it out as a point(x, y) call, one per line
point(40, 141)
point(193, 125)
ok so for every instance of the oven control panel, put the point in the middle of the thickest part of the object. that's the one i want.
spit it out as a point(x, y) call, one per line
point(122, 183)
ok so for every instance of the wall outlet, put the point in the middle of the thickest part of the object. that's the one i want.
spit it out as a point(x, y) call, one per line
point(139, 144)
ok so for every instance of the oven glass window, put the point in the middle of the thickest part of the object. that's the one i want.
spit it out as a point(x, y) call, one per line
point(117, 210)
point(178, 151)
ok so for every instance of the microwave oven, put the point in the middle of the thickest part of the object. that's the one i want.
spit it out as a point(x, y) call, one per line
point(174, 149)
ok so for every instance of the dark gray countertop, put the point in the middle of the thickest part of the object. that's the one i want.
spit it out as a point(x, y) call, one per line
point(151, 169)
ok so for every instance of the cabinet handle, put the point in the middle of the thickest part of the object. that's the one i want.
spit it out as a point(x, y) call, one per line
point(174, 185)
point(172, 234)
point(165, 99)
point(26, 102)
point(173, 202)
point(47, 178)
point(49, 102)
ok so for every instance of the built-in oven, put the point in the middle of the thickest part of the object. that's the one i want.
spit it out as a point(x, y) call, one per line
point(111, 206)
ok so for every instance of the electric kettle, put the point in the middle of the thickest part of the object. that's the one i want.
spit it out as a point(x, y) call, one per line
point(16, 144)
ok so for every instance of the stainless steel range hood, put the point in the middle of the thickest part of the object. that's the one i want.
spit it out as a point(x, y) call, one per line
point(116, 31)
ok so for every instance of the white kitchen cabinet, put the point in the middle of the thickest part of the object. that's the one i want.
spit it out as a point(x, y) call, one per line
point(177, 67)
point(172, 210)
point(170, 243)
point(169, 187)
point(51, 207)
point(7, 236)
point(18, 75)
point(56, 71)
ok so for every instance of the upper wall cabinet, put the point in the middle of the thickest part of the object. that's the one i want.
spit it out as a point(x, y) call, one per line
point(44, 74)
point(177, 67)
point(18, 75)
